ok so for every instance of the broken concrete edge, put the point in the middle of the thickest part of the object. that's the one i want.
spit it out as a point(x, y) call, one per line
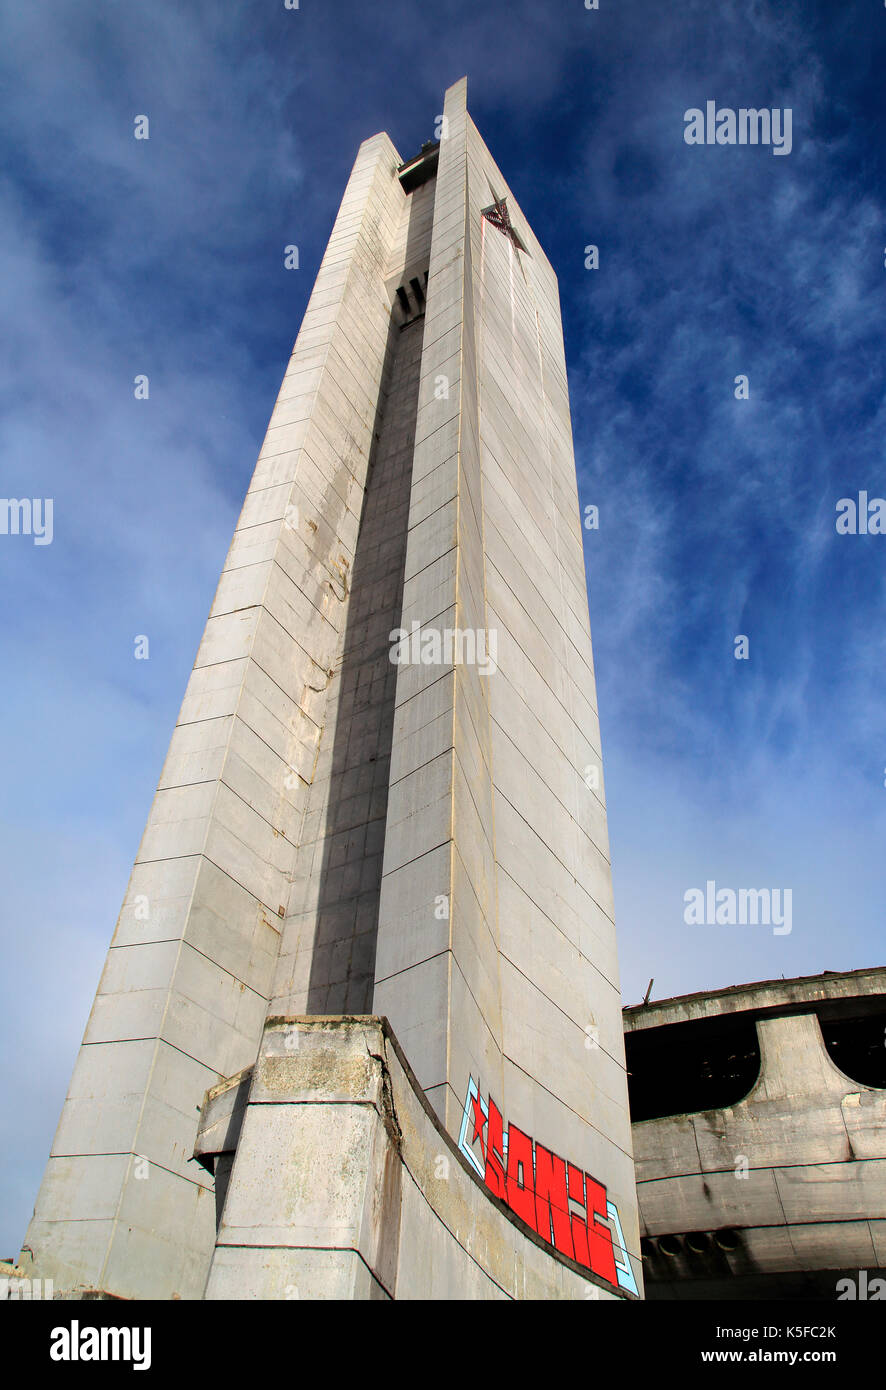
point(221, 1115)
point(221, 1086)
point(758, 997)
point(389, 1119)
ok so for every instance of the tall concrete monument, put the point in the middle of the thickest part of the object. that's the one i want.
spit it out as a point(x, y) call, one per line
point(359, 1030)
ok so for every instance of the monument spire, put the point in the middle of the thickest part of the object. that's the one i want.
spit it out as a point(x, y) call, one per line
point(362, 999)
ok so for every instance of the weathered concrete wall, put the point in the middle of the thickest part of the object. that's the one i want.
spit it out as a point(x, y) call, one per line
point(775, 995)
point(437, 964)
point(327, 955)
point(811, 1140)
point(345, 1185)
point(185, 990)
point(515, 984)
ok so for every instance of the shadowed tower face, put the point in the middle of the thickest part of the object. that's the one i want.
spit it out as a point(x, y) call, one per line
point(376, 797)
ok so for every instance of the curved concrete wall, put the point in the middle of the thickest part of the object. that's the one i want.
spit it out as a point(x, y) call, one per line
point(345, 1184)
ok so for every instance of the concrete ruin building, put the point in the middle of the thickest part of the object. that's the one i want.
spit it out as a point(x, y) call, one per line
point(359, 1031)
point(760, 1139)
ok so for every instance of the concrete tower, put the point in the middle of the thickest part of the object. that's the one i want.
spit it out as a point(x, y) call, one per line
point(359, 1031)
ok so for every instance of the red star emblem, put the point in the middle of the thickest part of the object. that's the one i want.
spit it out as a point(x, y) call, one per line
point(499, 216)
point(479, 1120)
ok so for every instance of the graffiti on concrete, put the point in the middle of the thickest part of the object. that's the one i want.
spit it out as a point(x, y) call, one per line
point(558, 1200)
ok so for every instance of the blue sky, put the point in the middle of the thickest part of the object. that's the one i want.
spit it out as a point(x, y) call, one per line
point(165, 257)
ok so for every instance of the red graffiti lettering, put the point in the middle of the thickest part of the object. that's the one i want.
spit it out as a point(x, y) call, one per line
point(521, 1187)
point(599, 1236)
point(551, 1201)
point(578, 1223)
point(495, 1175)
